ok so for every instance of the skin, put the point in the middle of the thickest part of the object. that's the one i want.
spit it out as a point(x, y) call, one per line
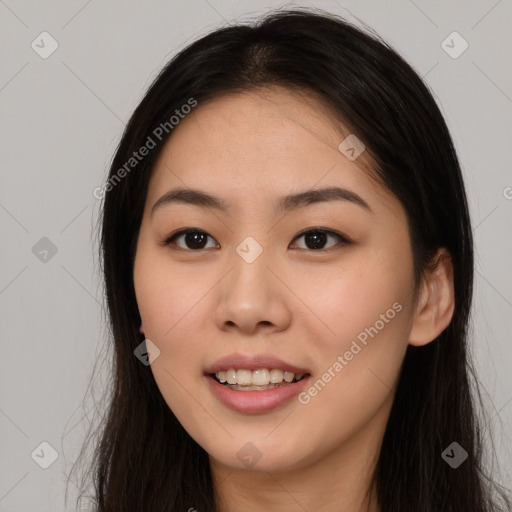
point(298, 303)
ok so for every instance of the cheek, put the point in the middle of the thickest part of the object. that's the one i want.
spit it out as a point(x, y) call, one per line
point(366, 306)
point(365, 290)
point(171, 307)
point(174, 307)
point(357, 366)
point(165, 295)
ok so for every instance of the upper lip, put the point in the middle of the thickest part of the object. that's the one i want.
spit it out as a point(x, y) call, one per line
point(252, 362)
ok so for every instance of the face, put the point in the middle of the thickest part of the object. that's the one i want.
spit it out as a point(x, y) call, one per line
point(322, 286)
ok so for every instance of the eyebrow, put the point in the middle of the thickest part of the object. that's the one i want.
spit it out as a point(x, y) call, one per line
point(286, 203)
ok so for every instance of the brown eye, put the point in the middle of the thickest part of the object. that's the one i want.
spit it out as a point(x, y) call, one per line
point(316, 239)
point(193, 239)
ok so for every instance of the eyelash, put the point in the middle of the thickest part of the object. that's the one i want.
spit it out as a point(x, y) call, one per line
point(343, 239)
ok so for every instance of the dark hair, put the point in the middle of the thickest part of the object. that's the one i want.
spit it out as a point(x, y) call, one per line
point(145, 459)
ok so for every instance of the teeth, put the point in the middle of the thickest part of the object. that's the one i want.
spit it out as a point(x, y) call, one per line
point(243, 377)
point(231, 376)
point(288, 377)
point(276, 376)
point(260, 377)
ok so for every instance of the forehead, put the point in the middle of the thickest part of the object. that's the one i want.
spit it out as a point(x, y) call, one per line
point(239, 123)
point(267, 143)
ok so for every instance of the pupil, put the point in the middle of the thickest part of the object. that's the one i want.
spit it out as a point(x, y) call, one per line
point(196, 240)
point(318, 238)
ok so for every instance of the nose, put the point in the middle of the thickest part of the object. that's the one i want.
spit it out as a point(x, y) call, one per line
point(252, 298)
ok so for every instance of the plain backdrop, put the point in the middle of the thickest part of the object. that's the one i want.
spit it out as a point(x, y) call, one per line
point(62, 115)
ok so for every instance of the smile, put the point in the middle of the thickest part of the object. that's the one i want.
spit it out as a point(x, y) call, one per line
point(260, 379)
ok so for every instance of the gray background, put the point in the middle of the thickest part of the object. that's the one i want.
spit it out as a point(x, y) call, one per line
point(61, 120)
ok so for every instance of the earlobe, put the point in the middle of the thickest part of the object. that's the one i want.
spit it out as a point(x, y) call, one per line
point(436, 301)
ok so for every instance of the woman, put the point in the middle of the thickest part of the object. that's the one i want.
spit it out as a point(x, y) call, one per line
point(288, 264)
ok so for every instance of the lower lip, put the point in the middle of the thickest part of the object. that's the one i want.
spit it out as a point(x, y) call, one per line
point(255, 402)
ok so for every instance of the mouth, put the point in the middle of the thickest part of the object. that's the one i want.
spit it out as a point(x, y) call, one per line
point(255, 384)
point(260, 379)
point(252, 394)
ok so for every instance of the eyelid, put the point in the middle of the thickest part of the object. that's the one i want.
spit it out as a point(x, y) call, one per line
point(344, 240)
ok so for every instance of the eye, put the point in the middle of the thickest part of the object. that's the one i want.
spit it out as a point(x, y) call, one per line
point(316, 238)
point(194, 239)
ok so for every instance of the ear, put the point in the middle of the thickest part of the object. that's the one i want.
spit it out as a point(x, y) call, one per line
point(436, 300)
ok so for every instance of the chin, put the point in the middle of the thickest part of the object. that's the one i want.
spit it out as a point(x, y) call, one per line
point(259, 457)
